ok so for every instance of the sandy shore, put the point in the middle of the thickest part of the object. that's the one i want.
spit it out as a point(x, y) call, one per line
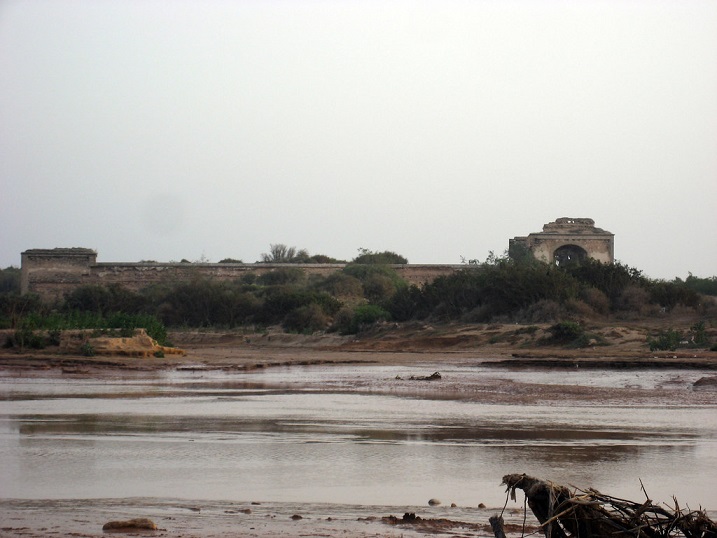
point(501, 346)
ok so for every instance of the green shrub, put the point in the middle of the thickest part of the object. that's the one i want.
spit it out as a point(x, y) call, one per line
point(340, 285)
point(588, 340)
point(26, 337)
point(87, 349)
point(707, 286)
point(665, 341)
point(53, 337)
point(306, 319)
point(596, 299)
point(368, 314)
point(280, 300)
point(698, 334)
point(566, 332)
point(361, 317)
point(367, 256)
point(379, 282)
point(10, 280)
point(117, 324)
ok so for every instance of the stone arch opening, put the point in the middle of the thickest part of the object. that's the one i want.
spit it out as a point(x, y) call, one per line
point(569, 254)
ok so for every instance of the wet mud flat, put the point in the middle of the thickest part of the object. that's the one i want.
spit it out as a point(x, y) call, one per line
point(333, 443)
point(203, 519)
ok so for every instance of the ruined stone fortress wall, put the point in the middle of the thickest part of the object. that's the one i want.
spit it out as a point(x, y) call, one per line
point(53, 272)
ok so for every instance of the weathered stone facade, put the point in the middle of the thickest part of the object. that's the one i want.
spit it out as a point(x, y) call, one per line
point(565, 240)
point(45, 270)
point(53, 272)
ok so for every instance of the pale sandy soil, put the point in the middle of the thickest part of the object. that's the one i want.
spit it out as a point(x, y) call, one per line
point(622, 346)
point(614, 346)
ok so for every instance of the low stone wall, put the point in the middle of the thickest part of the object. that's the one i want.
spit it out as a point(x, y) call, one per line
point(55, 272)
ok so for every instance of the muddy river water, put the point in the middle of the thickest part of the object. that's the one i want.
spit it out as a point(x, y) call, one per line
point(356, 434)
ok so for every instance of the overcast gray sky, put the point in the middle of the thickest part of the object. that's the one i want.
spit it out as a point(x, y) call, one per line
point(436, 129)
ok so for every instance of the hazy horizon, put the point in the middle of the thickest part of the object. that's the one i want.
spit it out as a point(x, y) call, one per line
point(147, 129)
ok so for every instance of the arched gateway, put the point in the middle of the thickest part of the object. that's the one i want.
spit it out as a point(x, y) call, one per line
point(567, 240)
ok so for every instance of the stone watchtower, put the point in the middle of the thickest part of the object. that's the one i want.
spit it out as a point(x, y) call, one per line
point(50, 272)
point(567, 240)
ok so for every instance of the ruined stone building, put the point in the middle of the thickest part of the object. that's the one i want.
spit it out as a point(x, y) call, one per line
point(51, 273)
point(566, 240)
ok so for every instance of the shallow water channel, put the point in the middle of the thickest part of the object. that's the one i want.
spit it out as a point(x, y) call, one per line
point(356, 434)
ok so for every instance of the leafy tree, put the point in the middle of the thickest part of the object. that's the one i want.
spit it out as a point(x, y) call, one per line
point(367, 256)
point(671, 294)
point(408, 302)
point(14, 308)
point(10, 280)
point(280, 253)
point(706, 286)
point(379, 282)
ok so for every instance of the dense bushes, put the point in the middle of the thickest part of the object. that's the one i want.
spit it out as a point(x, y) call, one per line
point(280, 253)
point(363, 316)
point(283, 297)
point(530, 291)
point(671, 339)
point(360, 295)
point(486, 292)
point(706, 286)
point(368, 257)
point(9, 280)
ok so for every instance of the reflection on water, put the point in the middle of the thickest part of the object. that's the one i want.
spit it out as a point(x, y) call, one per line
point(328, 435)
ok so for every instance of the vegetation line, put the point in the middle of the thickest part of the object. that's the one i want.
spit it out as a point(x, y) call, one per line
point(368, 291)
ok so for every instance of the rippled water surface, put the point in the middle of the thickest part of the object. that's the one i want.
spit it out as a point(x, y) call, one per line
point(355, 435)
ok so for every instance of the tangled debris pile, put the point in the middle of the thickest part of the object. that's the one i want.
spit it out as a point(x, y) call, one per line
point(563, 513)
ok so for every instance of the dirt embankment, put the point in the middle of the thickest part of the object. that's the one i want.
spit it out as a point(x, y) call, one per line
point(609, 345)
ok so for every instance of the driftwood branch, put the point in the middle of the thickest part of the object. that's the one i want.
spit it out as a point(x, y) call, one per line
point(566, 513)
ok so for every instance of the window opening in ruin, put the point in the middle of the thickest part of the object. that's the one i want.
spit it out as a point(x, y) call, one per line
point(569, 254)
